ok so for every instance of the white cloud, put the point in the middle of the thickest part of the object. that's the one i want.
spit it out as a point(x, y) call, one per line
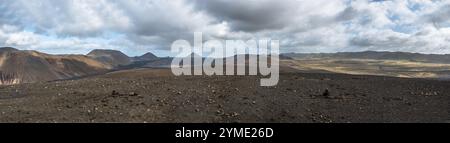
point(301, 25)
point(74, 17)
point(22, 38)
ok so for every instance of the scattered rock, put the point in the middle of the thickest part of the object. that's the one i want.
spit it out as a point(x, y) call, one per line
point(234, 114)
point(219, 112)
point(133, 94)
point(114, 92)
point(326, 93)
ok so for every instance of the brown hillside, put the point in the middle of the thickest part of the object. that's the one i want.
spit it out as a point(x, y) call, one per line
point(18, 66)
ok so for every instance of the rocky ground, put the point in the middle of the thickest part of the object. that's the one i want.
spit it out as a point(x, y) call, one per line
point(153, 95)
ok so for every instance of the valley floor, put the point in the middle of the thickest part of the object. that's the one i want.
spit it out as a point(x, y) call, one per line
point(153, 95)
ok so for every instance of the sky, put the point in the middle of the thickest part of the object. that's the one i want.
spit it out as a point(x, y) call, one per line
point(305, 26)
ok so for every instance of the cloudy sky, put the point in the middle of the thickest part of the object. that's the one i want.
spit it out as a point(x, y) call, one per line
point(137, 26)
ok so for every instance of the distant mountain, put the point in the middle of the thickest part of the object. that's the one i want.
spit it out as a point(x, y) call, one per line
point(164, 62)
point(110, 57)
point(160, 63)
point(146, 57)
point(17, 66)
point(8, 49)
point(431, 58)
point(195, 55)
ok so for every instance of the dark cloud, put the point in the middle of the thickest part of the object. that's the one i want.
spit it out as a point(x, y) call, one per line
point(439, 17)
point(250, 15)
point(348, 14)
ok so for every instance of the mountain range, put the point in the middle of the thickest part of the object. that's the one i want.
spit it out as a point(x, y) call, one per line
point(27, 66)
point(375, 55)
